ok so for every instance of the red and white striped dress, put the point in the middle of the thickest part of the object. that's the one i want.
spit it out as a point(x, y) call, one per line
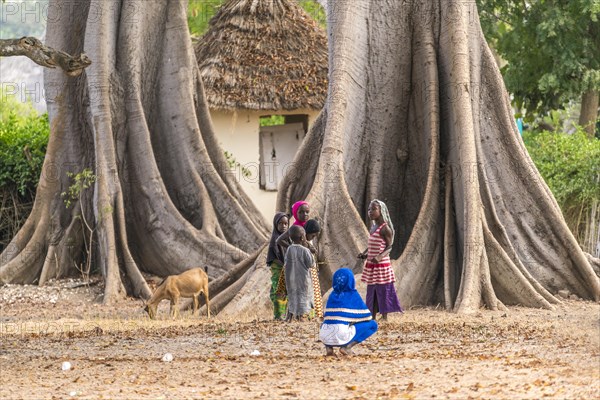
point(382, 273)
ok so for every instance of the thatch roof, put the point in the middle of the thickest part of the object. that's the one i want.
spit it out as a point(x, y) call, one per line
point(263, 55)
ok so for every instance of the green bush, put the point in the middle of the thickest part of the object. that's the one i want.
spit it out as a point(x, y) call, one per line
point(569, 163)
point(23, 141)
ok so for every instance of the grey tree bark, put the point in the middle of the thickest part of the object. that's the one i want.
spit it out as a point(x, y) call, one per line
point(589, 111)
point(45, 56)
point(418, 116)
point(164, 200)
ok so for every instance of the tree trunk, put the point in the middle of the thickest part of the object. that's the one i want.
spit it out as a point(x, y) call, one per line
point(418, 116)
point(589, 112)
point(164, 200)
point(590, 238)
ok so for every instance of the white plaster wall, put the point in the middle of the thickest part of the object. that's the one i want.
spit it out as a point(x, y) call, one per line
point(238, 133)
point(280, 144)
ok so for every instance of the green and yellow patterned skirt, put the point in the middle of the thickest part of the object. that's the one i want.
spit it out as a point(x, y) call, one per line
point(279, 299)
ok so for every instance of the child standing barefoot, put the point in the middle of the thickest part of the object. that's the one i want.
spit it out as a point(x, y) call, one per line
point(347, 321)
point(378, 273)
point(312, 228)
point(298, 282)
point(275, 262)
point(300, 211)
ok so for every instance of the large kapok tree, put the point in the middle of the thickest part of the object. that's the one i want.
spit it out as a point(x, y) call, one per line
point(164, 199)
point(417, 116)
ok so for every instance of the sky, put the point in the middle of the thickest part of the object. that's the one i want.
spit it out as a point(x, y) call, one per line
point(19, 76)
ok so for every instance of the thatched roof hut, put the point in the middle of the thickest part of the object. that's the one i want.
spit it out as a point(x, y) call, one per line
point(263, 55)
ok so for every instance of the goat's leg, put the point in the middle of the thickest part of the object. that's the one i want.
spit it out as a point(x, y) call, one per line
point(207, 302)
point(174, 306)
point(196, 304)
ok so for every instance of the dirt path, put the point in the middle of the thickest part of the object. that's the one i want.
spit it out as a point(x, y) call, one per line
point(116, 352)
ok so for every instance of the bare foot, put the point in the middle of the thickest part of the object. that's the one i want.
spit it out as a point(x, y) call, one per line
point(330, 352)
point(346, 351)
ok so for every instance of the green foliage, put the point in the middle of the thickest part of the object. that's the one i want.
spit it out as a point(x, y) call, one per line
point(552, 48)
point(315, 10)
point(222, 331)
point(23, 141)
point(201, 11)
point(272, 120)
point(81, 181)
point(199, 14)
point(234, 164)
point(570, 165)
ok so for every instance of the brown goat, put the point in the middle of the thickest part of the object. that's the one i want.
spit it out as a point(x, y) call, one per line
point(187, 284)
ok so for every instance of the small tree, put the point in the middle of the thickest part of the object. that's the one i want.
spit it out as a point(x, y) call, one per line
point(74, 195)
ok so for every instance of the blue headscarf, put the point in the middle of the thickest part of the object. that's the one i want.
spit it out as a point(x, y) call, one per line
point(345, 305)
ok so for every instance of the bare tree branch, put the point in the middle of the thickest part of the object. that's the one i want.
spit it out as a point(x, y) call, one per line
point(35, 50)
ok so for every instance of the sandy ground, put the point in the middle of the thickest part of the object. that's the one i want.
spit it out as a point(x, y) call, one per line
point(116, 352)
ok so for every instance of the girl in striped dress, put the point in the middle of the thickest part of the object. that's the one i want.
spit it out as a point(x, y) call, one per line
point(378, 273)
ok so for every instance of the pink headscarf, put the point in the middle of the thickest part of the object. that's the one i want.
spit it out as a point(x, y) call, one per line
point(295, 209)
